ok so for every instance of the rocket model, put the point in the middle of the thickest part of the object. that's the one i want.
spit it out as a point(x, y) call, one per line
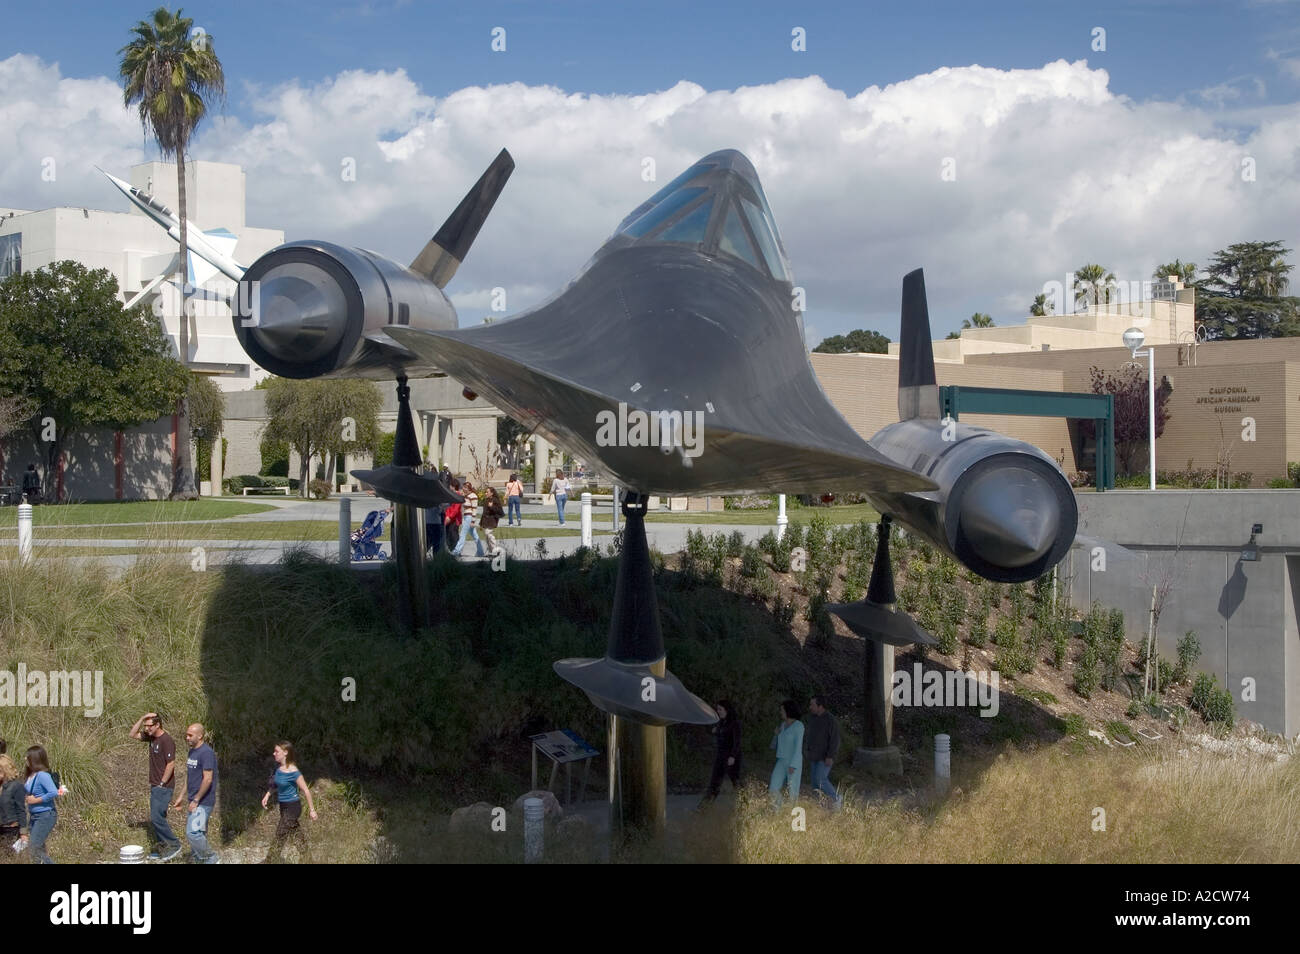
point(209, 252)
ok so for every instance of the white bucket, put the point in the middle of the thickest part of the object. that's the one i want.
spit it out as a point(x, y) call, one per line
point(131, 855)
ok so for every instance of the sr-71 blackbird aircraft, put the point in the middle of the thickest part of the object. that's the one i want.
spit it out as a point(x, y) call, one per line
point(676, 359)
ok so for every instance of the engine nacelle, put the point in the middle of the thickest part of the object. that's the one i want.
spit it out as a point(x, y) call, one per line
point(1003, 508)
point(314, 309)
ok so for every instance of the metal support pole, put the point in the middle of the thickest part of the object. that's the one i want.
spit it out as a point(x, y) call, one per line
point(345, 531)
point(942, 763)
point(1151, 410)
point(781, 518)
point(408, 523)
point(534, 830)
point(586, 519)
point(615, 509)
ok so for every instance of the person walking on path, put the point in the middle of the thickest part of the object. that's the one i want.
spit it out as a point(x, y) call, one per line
point(468, 518)
point(560, 487)
point(821, 746)
point(162, 782)
point(201, 790)
point(788, 742)
point(13, 805)
point(514, 501)
point(287, 783)
point(726, 750)
point(492, 514)
point(41, 792)
point(451, 518)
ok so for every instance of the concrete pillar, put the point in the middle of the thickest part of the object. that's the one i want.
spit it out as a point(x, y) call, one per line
point(541, 462)
point(586, 519)
point(781, 519)
point(942, 763)
point(214, 466)
point(345, 531)
point(25, 533)
point(534, 830)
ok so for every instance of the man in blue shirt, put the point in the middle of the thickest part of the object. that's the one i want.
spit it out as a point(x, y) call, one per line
point(201, 789)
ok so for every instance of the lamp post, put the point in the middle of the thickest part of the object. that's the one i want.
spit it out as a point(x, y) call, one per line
point(1133, 339)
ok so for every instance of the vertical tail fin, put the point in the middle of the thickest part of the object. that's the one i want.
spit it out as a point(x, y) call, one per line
point(918, 393)
point(440, 258)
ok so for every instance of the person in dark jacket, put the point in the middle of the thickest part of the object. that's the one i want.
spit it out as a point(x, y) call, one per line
point(726, 755)
point(492, 514)
point(822, 744)
point(32, 484)
point(13, 807)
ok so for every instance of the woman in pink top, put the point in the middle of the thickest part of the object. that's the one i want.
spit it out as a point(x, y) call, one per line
point(514, 500)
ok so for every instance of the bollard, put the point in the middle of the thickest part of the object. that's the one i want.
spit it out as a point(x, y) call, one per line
point(345, 531)
point(130, 855)
point(586, 519)
point(781, 518)
point(534, 830)
point(614, 509)
point(942, 763)
point(25, 533)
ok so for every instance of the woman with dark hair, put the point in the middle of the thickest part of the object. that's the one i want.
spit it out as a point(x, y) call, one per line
point(451, 518)
point(788, 742)
point(726, 754)
point(41, 793)
point(287, 783)
point(514, 500)
point(468, 516)
point(492, 514)
point(13, 811)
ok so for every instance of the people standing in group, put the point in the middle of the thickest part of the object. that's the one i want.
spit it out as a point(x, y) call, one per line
point(469, 517)
point(451, 517)
point(821, 746)
point(560, 487)
point(162, 782)
point(788, 742)
point(492, 514)
point(13, 805)
point(514, 501)
point(201, 790)
point(41, 791)
point(286, 783)
point(726, 750)
point(31, 484)
point(433, 529)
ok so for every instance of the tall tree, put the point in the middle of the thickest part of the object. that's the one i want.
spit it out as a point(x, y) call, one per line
point(76, 358)
point(978, 320)
point(171, 78)
point(1132, 422)
point(312, 417)
point(1186, 271)
point(855, 342)
point(1092, 285)
point(1244, 293)
point(1041, 306)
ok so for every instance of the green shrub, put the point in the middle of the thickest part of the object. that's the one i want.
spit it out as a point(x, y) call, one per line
point(735, 544)
point(1060, 643)
point(783, 610)
point(751, 562)
point(1164, 674)
point(275, 458)
point(320, 489)
point(1281, 483)
point(1086, 675)
point(979, 631)
point(1212, 702)
point(1189, 653)
point(1118, 730)
point(947, 636)
point(1135, 709)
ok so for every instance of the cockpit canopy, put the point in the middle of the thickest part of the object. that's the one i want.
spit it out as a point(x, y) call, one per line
point(718, 205)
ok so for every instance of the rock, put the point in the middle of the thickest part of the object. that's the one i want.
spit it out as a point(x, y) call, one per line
point(476, 817)
point(574, 826)
point(551, 810)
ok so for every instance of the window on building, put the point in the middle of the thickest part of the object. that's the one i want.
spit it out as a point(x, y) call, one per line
point(11, 254)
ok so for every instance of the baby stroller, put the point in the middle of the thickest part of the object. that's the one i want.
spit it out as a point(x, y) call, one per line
point(365, 537)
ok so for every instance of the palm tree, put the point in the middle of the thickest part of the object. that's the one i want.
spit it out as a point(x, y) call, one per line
point(171, 79)
point(1041, 306)
point(1186, 271)
point(978, 320)
point(1090, 279)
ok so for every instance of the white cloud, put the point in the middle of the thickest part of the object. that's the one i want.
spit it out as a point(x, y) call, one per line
point(1052, 169)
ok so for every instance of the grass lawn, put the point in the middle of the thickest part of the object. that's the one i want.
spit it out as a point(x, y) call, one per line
point(161, 534)
point(132, 511)
point(849, 513)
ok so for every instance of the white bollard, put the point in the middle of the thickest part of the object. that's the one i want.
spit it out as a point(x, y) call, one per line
point(616, 508)
point(942, 763)
point(586, 519)
point(534, 830)
point(781, 518)
point(345, 531)
point(25, 533)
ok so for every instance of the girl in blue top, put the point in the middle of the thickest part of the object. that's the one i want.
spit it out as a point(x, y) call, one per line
point(41, 793)
point(287, 783)
point(788, 742)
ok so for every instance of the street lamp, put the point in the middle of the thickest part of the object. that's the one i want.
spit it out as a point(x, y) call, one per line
point(1133, 339)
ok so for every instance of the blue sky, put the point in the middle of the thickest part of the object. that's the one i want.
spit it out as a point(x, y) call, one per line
point(1064, 154)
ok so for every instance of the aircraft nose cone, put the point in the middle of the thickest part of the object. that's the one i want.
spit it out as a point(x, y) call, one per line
point(1010, 516)
point(301, 312)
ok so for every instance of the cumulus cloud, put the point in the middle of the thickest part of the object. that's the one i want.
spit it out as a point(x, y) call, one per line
point(1049, 169)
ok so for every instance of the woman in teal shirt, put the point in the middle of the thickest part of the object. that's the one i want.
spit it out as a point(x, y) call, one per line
point(788, 742)
point(287, 783)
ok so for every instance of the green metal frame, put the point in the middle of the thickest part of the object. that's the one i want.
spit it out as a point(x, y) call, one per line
point(955, 399)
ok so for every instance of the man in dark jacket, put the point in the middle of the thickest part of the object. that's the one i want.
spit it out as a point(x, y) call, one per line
point(31, 484)
point(821, 744)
